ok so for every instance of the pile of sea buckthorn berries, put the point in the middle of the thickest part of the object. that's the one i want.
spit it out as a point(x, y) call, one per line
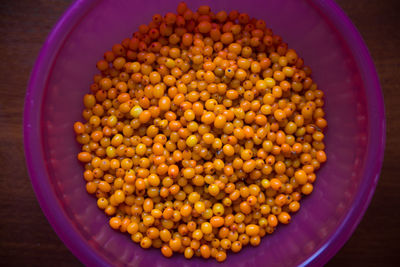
point(203, 131)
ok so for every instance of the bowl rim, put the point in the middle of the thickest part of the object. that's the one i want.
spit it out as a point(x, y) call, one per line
point(58, 219)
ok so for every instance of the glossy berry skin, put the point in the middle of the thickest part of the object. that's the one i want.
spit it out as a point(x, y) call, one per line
point(201, 133)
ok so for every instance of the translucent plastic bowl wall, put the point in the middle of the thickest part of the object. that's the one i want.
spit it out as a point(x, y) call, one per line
point(341, 66)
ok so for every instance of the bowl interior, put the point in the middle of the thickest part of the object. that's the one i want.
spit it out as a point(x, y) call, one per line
point(302, 25)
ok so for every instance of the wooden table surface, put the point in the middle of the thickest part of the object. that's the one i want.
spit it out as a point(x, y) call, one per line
point(26, 238)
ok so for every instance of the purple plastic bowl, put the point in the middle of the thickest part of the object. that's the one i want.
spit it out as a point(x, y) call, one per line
point(343, 69)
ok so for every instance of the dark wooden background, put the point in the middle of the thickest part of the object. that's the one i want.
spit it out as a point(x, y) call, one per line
point(26, 238)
